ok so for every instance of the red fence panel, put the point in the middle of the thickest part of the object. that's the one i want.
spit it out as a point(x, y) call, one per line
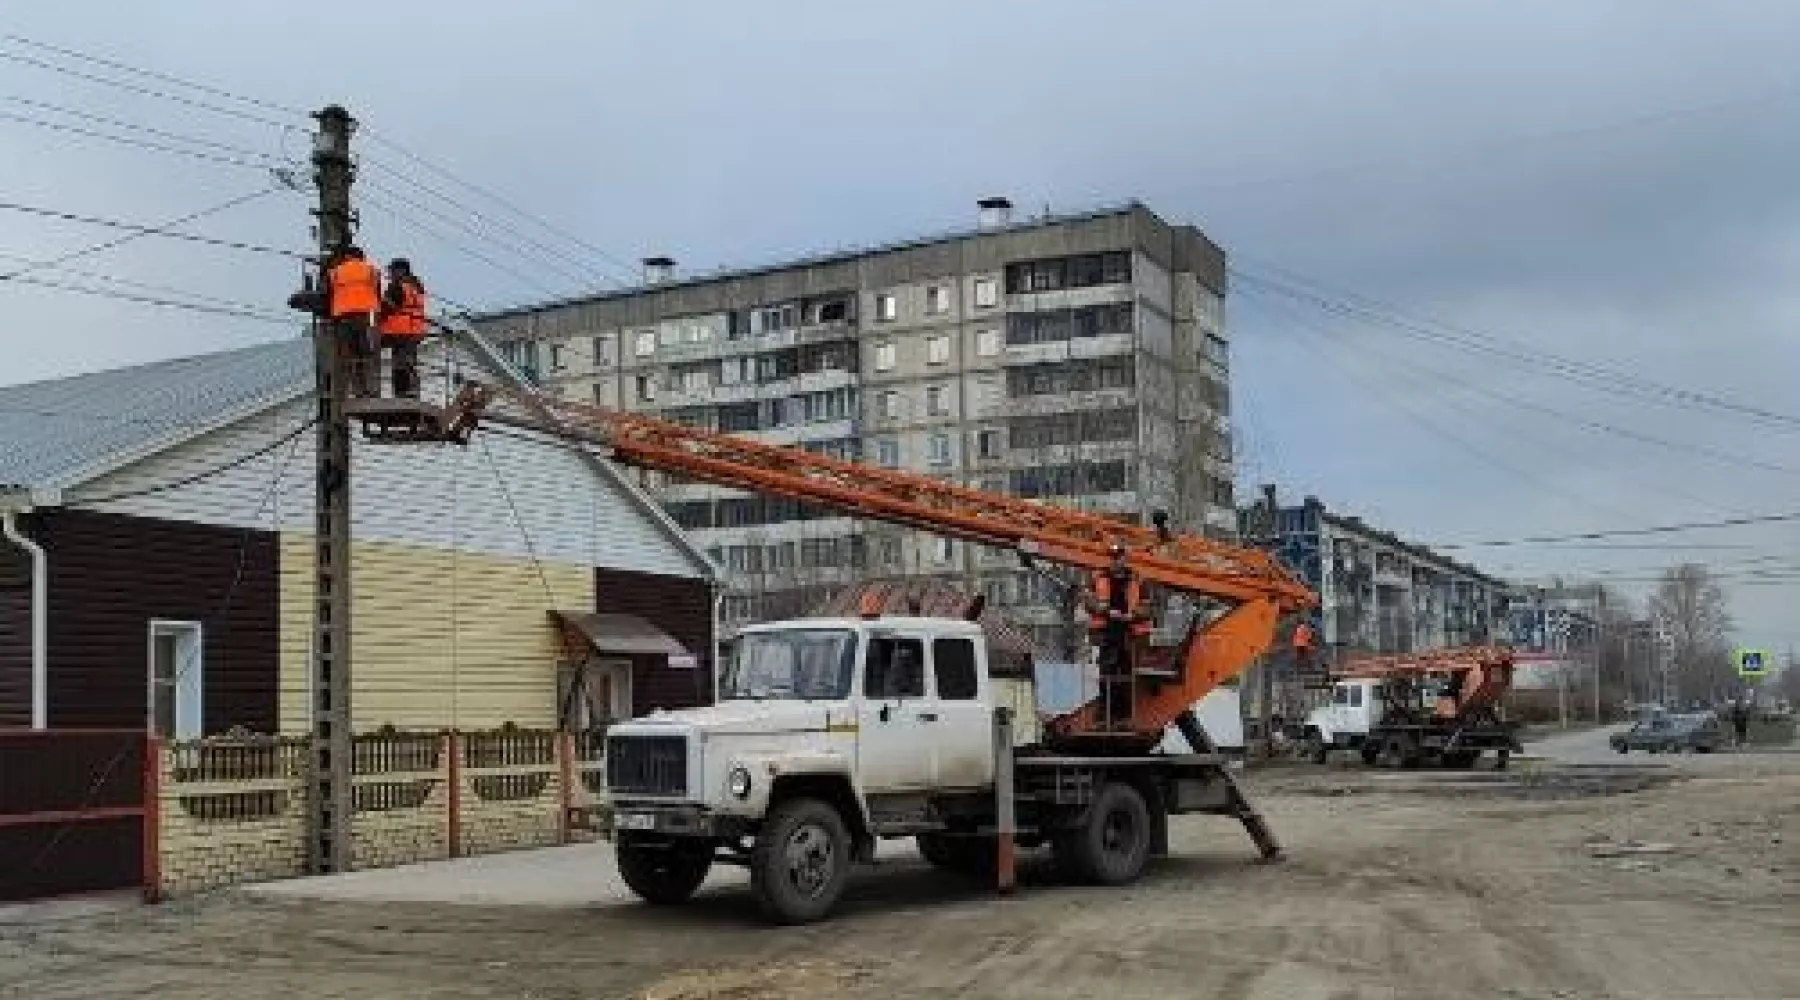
point(72, 810)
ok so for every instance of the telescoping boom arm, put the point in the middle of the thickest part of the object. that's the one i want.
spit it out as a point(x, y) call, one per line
point(1482, 674)
point(1137, 703)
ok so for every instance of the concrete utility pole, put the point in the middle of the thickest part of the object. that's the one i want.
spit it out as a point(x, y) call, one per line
point(1268, 538)
point(330, 790)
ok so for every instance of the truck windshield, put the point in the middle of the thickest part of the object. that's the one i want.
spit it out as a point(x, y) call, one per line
point(798, 663)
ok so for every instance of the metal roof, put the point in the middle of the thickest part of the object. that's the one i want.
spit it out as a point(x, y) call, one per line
point(55, 434)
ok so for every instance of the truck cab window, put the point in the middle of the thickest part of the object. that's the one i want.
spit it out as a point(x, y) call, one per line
point(1356, 697)
point(896, 669)
point(953, 663)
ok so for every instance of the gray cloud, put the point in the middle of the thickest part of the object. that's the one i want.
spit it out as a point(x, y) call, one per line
point(1422, 154)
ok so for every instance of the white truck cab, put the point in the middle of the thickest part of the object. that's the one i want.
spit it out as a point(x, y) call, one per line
point(832, 733)
point(1346, 720)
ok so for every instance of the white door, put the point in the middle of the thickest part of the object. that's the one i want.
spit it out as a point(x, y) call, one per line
point(177, 681)
point(962, 734)
point(896, 720)
point(609, 691)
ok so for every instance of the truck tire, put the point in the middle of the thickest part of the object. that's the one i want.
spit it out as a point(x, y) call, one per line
point(1315, 748)
point(1400, 750)
point(1460, 760)
point(1371, 752)
point(1112, 845)
point(974, 857)
point(663, 874)
point(800, 862)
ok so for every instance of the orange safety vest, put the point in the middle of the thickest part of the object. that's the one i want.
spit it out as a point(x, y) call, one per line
point(409, 319)
point(355, 288)
point(1102, 606)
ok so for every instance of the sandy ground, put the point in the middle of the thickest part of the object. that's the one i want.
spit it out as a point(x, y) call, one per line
point(1561, 881)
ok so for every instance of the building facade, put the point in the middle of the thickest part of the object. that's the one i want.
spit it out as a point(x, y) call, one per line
point(1381, 594)
point(157, 570)
point(1080, 359)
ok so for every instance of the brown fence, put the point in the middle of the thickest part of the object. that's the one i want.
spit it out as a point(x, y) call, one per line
point(72, 815)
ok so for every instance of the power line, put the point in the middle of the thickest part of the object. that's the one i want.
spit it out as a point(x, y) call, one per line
point(540, 222)
point(404, 219)
point(1705, 451)
point(206, 474)
point(239, 312)
point(143, 90)
point(151, 74)
point(123, 140)
point(144, 230)
point(587, 271)
point(60, 260)
point(1660, 529)
point(1592, 374)
point(132, 126)
point(449, 220)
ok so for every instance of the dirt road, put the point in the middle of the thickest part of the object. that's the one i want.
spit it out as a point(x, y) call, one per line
point(1395, 888)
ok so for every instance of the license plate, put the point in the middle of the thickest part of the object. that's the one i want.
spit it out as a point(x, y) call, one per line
point(634, 821)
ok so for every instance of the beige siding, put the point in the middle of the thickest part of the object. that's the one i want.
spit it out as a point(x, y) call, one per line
point(442, 638)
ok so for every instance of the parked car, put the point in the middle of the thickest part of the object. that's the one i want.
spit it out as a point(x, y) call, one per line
point(1692, 733)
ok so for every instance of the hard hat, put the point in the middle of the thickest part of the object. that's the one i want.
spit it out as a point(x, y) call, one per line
point(400, 264)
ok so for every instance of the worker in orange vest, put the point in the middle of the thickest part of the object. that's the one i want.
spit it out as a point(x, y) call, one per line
point(352, 298)
point(1115, 613)
point(403, 324)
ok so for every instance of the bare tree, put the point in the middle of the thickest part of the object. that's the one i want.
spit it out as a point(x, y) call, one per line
point(1690, 608)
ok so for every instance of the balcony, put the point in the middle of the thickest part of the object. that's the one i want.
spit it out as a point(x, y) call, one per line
point(825, 333)
point(1062, 350)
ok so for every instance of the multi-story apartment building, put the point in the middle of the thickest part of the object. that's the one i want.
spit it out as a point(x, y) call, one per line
point(1077, 359)
point(1381, 594)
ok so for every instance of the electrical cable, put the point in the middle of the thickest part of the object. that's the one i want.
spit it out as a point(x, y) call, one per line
point(203, 475)
point(155, 300)
point(392, 195)
point(144, 285)
point(380, 205)
point(586, 268)
point(150, 74)
point(1592, 374)
point(58, 261)
point(142, 90)
point(1659, 529)
point(502, 202)
point(64, 109)
point(144, 230)
point(128, 141)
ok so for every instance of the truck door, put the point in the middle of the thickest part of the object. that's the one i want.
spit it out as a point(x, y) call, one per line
point(896, 721)
point(962, 737)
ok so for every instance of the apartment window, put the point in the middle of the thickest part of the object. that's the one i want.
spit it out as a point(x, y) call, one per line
point(646, 389)
point(890, 405)
point(1050, 326)
point(987, 293)
point(886, 356)
point(603, 350)
point(695, 380)
point(887, 307)
point(987, 444)
point(937, 401)
point(937, 350)
point(177, 680)
point(1081, 271)
point(943, 549)
point(937, 300)
point(645, 343)
point(600, 394)
point(558, 358)
point(888, 551)
point(735, 370)
point(987, 343)
point(938, 449)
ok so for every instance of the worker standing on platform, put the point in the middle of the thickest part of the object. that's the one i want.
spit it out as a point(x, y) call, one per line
point(352, 298)
point(403, 325)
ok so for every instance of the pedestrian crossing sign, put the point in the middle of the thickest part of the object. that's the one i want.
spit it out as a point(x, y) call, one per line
point(1752, 663)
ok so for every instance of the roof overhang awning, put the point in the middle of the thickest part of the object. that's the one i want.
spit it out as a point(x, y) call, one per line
point(618, 635)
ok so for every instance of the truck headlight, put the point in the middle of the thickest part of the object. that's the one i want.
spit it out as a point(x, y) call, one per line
point(738, 782)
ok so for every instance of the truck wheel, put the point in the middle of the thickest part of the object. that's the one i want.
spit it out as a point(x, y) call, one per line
point(1317, 750)
point(800, 862)
point(665, 873)
point(1400, 750)
point(976, 857)
point(1461, 760)
point(1371, 752)
point(1113, 845)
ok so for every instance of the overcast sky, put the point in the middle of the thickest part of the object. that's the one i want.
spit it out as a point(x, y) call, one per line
point(1613, 182)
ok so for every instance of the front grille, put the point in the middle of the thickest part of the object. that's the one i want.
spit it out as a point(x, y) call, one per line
point(646, 765)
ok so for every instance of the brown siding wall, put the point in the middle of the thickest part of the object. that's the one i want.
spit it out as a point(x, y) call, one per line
point(681, 607)
point(15, 636)
point(111, 574)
